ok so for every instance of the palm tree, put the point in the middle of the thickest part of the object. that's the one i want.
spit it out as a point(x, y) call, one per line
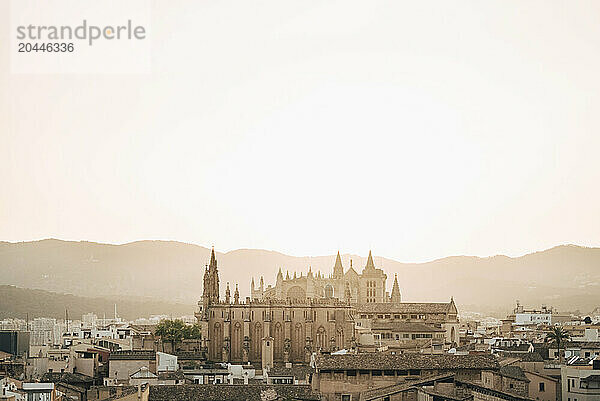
point(559, 337)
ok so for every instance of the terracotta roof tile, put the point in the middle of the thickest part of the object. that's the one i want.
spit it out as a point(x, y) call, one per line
point(228, 392)
point(405, 361)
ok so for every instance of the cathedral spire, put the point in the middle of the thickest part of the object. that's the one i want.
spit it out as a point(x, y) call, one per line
point(396, 298)
point(227, 294)
point(338, 269)
point(236, 295)
point(211, 280)
point(213, 259)
point(370, 264)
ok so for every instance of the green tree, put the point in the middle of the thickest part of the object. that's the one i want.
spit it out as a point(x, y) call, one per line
point(174, 331)
point(192, 332)
point(559, 337)
point(171, 331)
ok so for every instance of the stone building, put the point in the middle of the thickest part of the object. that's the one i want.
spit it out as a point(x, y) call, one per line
point(348, 376)
point(437, 315)
point(366, 287)
point(508, 379)
point(269, 330)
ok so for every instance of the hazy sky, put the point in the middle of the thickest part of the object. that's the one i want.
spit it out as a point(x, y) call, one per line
point(417, 129)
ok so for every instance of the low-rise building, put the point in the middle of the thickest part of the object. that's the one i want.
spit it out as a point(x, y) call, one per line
point(581, 381)
point(216, 374)
point(298, 374)
point(351, 374)
point(40, 391)
point(122, 364)
point(508, 379)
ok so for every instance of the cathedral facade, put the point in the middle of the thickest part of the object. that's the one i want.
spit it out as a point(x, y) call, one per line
point(298, 316)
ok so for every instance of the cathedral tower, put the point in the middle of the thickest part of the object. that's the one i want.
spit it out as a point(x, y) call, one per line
point(211, 281)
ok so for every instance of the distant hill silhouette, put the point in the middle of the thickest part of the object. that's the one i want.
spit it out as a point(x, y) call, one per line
point(566, 276)
point(23, 302)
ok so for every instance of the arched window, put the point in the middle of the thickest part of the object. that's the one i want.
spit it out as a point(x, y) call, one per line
point(298, 342)
point(296, 292)
point(321, 338)
point(339, 341)
point(257, 336)
point(278, 341)
point(216, 345)
point(236, 342)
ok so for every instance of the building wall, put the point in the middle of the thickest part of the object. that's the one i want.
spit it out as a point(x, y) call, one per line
point(36, 367)
point(498, 382)
point(235, 331)
point(122, 369)
point(550, 389)
point(86, 366)
point(166, 362)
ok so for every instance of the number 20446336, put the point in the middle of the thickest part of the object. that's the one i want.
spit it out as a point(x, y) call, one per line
point(26, 47)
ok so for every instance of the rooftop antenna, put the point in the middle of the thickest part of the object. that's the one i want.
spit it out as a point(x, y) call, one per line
point(115, 311)
point(67, 318)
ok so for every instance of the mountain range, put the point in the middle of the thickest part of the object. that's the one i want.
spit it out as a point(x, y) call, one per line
point(566, 276)
point(25, 303)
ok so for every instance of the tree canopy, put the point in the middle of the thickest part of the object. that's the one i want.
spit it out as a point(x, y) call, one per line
point(175, 331)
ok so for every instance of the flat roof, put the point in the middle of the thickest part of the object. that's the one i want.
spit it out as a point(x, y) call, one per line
point(38, 386)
